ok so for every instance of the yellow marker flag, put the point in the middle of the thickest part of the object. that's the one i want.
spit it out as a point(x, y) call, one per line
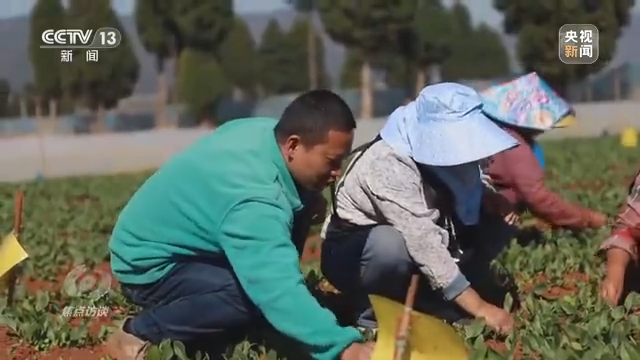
point(629, 138)
point(567, 121)
point(430, 338)
point(11, 253)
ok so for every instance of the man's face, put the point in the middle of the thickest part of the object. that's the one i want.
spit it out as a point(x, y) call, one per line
point(315, 167)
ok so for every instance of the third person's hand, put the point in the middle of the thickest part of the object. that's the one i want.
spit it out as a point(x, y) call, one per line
point(512, 219)
point(595, 219)
point(611, 290)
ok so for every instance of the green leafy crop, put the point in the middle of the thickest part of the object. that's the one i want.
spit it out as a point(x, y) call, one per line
point(67, 222)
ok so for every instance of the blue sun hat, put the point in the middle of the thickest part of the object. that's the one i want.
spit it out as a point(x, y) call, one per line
point(445, 126)
point(527, 102)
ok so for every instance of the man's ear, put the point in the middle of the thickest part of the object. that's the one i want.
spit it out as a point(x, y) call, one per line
point(291, 145)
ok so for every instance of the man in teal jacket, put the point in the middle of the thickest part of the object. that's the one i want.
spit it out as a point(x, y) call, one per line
point(205, 247)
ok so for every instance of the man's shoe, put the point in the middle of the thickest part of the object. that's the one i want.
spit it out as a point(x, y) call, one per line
point(124, 346)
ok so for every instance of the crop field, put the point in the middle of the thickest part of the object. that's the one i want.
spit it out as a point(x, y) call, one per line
point(67, 223)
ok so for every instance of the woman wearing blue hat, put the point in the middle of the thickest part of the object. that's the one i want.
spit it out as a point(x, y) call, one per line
point(526, 107)
point(404, 199)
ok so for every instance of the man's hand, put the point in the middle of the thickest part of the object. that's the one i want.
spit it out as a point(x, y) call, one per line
point(496, 318)
point(358, 351)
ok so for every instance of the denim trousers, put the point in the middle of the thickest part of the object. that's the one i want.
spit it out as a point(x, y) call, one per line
point(199, 302)
point(375, 260)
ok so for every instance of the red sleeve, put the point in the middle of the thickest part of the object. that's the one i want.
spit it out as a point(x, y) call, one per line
point(629, 216)
point(527, 180)
point(626, 232)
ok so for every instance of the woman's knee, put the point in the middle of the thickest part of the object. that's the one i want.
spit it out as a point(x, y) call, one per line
point(386, 251)
point(365, 257)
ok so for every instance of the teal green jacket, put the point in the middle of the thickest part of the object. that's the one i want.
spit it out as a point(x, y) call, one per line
point(229, 193)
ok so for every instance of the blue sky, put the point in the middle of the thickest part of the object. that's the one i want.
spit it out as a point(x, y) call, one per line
point(480, 9)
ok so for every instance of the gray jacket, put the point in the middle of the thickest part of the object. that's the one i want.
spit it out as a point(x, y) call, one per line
point(384, 188)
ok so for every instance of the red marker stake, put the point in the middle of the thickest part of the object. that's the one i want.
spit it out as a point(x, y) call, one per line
point(17, 227)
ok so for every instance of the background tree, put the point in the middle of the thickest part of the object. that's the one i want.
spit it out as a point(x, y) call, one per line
point(307, 8)
point(536, 24)
point(389, 64)
point(100, 85)
point(351, 68)
point(291, 61)
point(201, 84)
point(298, 39)
point(238, 58)
point(283, 57)
point(431, 35)
point(488, 53)
point(5, 97)
point(9, 101)
point(371, 27)
point(399, 65)
point(27, 103)
point(203, 25)
point(158, 35)
point(400, 71)
point(201, 28)
point(457, 65)
point(45, 63)
point(272, 57)
point(481, 46)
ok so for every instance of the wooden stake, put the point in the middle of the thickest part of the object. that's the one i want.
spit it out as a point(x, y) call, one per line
point(405, 321)
point(17, 227)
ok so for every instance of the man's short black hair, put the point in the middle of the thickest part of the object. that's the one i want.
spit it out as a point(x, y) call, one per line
point(312, 115)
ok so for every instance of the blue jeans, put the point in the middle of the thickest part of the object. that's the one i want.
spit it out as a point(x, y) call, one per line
point(199, 302)
point(375, 260)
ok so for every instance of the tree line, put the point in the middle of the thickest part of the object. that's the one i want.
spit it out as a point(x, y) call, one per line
point(406, 43)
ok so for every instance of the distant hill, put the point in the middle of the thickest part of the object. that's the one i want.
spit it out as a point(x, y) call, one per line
point(14, 61)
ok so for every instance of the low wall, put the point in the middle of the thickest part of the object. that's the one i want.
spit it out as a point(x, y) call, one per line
point(26, 158)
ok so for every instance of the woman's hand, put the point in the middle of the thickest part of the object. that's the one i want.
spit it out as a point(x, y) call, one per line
point(497, 204)
point(496, 318)
point(613, 284)
point(500, 320)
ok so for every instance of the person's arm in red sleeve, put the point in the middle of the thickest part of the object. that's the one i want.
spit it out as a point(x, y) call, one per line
point(527, 180)
point(622, 246)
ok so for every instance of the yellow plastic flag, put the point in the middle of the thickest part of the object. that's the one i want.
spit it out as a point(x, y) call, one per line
point(430, 338)
point(11, 253)
point(629, 138)
point(567, 121)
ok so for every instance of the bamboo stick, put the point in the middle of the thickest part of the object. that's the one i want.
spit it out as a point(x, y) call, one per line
point(404, 327)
